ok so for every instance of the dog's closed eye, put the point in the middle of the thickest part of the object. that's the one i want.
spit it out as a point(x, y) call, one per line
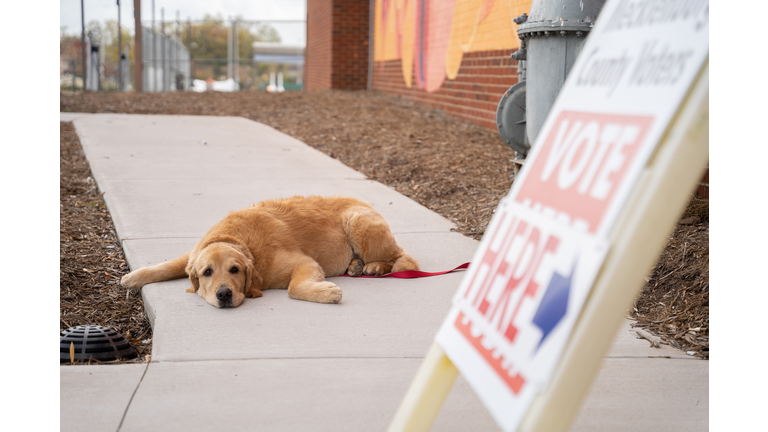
point(233, 270)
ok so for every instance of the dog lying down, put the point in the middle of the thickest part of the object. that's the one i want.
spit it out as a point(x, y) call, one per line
point(291, 243)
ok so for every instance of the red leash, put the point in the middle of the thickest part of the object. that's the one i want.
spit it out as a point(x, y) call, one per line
point(410, 274)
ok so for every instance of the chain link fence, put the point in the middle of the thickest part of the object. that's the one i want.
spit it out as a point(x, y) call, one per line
point(105, 70)
point(209, 54)
point(165, 63)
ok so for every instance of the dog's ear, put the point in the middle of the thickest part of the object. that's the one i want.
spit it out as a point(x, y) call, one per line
point(192, 272)
point(195, 284)
point(252, 281)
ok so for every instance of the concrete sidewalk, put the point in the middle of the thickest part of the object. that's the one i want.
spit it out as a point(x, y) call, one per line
point(278, 364)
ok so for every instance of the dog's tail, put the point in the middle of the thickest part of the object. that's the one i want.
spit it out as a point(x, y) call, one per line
point(405, 263)
point(173, 269)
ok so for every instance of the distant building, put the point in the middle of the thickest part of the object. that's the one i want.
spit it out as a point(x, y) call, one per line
point(69, 51)
point(276, 57)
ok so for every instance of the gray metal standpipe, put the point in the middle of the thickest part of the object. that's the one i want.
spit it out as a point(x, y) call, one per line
point(94, 77)
point(551, 37)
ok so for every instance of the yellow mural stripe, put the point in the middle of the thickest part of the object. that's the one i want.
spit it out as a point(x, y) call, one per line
point(465, 14)
point(408, 29)
point(394, 31)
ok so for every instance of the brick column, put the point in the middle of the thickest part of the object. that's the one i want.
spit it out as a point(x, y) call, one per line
point(483, 78)
point(337, 44)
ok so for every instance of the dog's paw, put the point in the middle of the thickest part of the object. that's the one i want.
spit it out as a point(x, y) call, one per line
point(328, 293)
point(355, 267)
point(131, 281)
point(377, 268)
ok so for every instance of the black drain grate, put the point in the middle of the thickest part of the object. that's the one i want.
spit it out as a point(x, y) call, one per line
point(94, 342)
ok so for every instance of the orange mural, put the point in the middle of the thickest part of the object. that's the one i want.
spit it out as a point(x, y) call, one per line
point(430, 37)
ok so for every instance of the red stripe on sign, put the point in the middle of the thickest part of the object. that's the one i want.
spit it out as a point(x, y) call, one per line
point(516, 382)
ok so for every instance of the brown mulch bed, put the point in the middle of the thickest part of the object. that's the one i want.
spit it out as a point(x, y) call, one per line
point(455, 168)
point(458, 169)
point(674, 304)
point(91, 258)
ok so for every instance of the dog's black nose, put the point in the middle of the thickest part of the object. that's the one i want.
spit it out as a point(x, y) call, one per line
point(224, 294)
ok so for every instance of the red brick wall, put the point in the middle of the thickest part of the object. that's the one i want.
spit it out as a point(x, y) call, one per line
point(318, 55)
point(702, 191)
point(337, 44)
point(350, 44)
point(483, 78)
point(475, 93)
point(337, 57)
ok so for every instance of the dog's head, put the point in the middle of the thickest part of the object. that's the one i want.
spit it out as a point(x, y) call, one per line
point(223, 274)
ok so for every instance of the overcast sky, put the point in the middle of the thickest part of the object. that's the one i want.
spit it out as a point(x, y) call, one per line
point(102, 10)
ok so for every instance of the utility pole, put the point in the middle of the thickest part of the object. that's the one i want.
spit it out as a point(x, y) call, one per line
point(236, 53)
point(119, 49)
point(229, 51)
point(154, 43)
point(82, 39)
point(138, 79)
point(189, 48)
point(162, 50)
point(178, 43)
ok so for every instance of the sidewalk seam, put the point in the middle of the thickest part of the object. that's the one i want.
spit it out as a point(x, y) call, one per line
point(159, 238)
point(288, 358)
point(384, 358)
point(145, 179)
point(127, 407)
point(658, 357)
point(199, 237)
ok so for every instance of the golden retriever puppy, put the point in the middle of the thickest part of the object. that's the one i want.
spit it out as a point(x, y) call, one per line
point(291, 243)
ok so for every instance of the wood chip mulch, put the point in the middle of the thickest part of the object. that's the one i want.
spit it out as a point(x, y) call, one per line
point(91, 258)
point(455, 168)
point(674, 304)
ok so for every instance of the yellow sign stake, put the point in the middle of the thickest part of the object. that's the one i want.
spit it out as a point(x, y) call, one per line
point(427, 392)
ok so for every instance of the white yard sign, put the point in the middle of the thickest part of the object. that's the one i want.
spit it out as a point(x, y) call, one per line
point(516, 306)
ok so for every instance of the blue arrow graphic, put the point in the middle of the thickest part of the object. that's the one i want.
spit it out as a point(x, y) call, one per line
point(553, 305)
